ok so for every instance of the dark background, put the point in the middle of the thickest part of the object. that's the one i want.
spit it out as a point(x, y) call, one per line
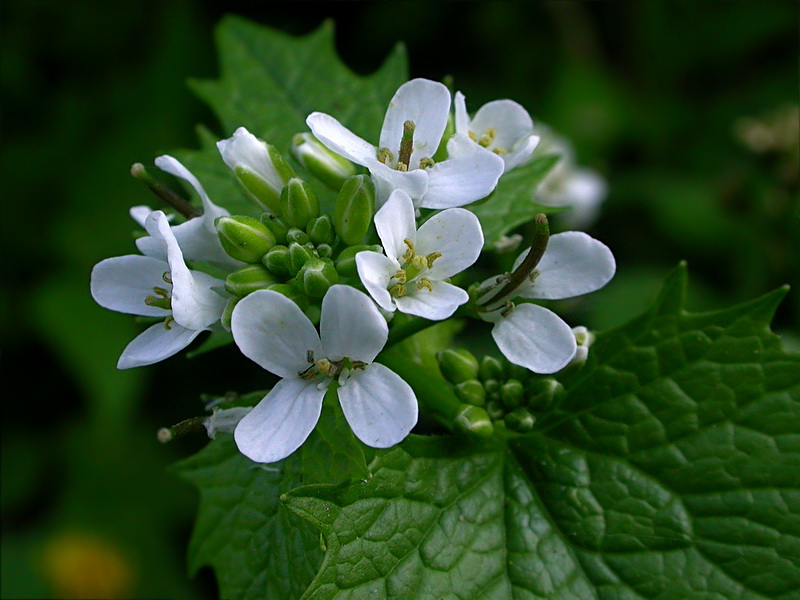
point(654, 95)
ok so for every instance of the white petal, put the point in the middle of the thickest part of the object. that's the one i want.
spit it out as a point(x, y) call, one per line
point(427, 104)
point(380, 407)
point(155, 344)
point(462, 179)
point(436, 304)
point(375, 270)
point(395, 222)
point(139, 213)
point(535, 338)
point(281, 422)
point(414, 183)
point(462, 116)
point(172, 166)
point(341, 140)
point(194, 303)
point(509, 119)
point(350, 325)
point(520, 152)
point(243, 148)
point(574, 264)
point(122, 283)
point(457, 234)
point(272, 331)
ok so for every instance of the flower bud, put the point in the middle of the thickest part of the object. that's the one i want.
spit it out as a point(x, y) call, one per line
point(472, 392)
point(292, 293)
point(313, 312)
point(511, 393)
point(244, 238)
point(298, 255)
point(277, 226)
point(227, 313)
point(346, 261)
point(259, 167)
point(320, 230)
point(249, 279)
point(328, 166)
point(543, 393)
point(277, 261)
point(354, 208)
point(457, 364)
point(474, 421)
point(495, 410)
point(520, 420)
point(299, 202)
point(492, 387)
point(297, 236)
point(516, 371)
point(491, 368)
point(324, 250)
point(317, 276)
point(583, 339)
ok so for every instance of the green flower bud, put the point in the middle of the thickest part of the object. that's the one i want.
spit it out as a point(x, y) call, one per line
point(328, 166)
point(298, 255)
point(297, 236)
point(244, 238)
point(354, 208)
point(491, 368)
point(519, 420)
point(495, 410)
point(292, 292)
point(543, 393)
point(249, 279)
point(277, 261)
point(471, 391)
point(299, 203)
point(324, 250)
point(515, 371)
point(457, 365)
point(227, 313)
point(473, 420)
point(511, 393)
point(277, 226)
point(346, 261)
point(492, 387)
point(313, 312)
point(320, 230)
point(317, 276)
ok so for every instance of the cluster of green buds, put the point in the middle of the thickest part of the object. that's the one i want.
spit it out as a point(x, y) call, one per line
point(294, 248)
point(508, 395)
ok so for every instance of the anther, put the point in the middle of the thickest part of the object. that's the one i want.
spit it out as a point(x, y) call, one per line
point(487, 138)
point(426, 162)
point(400, 276)
point(424, 282)
point(161, 292)
point(409, 254)
point(500, 150)
point(168, 322)
point(167, 277)
point(508, 309)
point(432, 257)
point(398, 290)
point(159, 302)
point(385, 156)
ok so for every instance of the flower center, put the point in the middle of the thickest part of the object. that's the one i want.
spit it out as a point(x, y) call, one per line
point(331, 369)
point(413, 266)
point(403, 163)
point(487, 140)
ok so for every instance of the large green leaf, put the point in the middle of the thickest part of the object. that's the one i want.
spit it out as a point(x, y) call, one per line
point(670, 470)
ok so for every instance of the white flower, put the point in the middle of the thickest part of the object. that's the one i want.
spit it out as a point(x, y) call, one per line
point(501, 126)
point(158, 287)
point(411, 275)
point(404, 158)
point(271, 330)
point(568, 184)
point(533, 336)
point(584, 339)
point(197, 237)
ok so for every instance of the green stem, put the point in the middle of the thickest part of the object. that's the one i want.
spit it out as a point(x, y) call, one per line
point(165, 194)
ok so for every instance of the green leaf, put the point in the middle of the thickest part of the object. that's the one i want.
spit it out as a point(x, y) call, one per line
point(257, 548)
point(670, 470)
point(270, 83)
point(511, 204)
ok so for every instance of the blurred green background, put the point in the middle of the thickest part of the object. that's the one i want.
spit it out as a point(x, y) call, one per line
point(689, 110)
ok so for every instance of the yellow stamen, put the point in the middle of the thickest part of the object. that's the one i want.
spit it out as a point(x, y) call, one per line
point(419, 262)
point(409, 254)
point(432, 257)
point(400, 276)
point(424, 282)
point(398, 290)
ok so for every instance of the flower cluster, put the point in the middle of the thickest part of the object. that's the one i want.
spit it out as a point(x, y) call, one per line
point(310, 294)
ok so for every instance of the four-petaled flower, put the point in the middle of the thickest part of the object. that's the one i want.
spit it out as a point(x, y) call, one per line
point(271, 330)
point(533, 336)
point(502, 127)
point(411, 275)
point(412, 131)
point(158, 285)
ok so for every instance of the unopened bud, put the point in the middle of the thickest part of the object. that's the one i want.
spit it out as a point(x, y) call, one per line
point(519, 420)
point(354, 208)
point(492, 387)
point(299, 202)
point(320, 230)
point(318, 275)
point(298, 236)
point(346, 261)
point(511, 393)
point(259, 167)
point(277, 261)
point(313, 312)
point(473, 420)
point(491, 368)
point(249, 279)
point(324, 250)
point(457, 365)
point(495, 410)
point(298, 255)
point(277, 226)
point(244, 238)
point(328, 166)
point(543, 393)
point(472, 392)
point(583, 339)
point(292, 293)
